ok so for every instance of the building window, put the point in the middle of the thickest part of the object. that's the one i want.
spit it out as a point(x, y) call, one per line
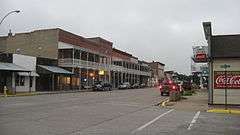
point(68, 80)
point(20, 80)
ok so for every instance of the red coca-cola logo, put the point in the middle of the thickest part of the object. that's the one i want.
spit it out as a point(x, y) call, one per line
point(229, 80)
point(232, 80)
point(201, 56)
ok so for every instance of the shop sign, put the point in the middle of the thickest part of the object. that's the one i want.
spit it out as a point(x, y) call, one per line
point(200, 53)
point(232, 80)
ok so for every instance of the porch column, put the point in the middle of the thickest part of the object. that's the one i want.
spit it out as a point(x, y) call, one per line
point(52, 82)
point(79, 76)
point(114, 79)
point(73, 56)
point(80, 71)
point(13, 82)
point(121, 80)
point(87, 68)
point(29, 77)
point(71, 79)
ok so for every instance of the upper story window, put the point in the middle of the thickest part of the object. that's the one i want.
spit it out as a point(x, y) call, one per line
point(65, 53)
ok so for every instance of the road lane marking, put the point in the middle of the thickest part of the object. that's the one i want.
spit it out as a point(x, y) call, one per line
point(193, 120)
point(150, 122)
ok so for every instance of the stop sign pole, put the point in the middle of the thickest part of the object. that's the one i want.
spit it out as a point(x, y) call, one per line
point(225, 66)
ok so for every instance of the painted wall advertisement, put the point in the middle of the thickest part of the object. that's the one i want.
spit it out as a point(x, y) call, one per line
point(232, 80)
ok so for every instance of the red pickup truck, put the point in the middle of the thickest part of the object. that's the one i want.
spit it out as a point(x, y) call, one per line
point(167, 86)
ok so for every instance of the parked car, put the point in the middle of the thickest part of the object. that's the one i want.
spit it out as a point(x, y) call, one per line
point(125, 85)
point(167, 86)
point(142, 85)
point(135, 86)
point(102, 86)
point(85, 87)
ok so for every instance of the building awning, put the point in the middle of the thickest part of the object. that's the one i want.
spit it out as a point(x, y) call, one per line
point(11, 67)
point(27, 73)
point(54, 69)
point(34, 74)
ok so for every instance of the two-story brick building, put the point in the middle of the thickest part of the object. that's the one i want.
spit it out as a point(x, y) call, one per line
point(127, 68)
point(157, 72)
point(59, 52)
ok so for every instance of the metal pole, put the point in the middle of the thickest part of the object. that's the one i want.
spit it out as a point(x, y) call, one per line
point(15, 11)
point(225, 72)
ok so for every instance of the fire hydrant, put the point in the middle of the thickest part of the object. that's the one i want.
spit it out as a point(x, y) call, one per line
point(5, 91)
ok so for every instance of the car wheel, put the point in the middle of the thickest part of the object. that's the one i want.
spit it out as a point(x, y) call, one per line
point(161, 93)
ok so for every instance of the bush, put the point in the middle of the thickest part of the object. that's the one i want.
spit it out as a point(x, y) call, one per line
point(188, 93)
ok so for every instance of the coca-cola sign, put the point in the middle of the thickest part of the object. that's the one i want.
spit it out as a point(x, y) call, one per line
point(232, 80)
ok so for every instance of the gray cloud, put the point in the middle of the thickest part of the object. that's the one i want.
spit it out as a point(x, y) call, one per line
point(160, 30)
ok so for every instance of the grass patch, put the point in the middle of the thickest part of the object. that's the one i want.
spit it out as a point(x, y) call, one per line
point(188, 93)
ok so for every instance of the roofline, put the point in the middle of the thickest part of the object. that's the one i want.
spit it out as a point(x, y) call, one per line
point(158, 63)
point(222, 57)
point(83, 38)
point(32, 31)
point(124, 53)
point(101, 39)
point(226, 35)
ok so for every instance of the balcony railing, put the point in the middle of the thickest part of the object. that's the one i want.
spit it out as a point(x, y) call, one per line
point(82, 64)
point(68, 62)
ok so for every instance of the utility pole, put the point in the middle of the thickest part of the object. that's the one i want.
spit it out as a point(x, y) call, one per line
point(225, 66)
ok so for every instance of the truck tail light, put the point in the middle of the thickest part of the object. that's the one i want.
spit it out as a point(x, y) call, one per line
point(160, 87)
point(174, 87)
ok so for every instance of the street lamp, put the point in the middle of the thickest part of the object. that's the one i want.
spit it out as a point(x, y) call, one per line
point(14, 11)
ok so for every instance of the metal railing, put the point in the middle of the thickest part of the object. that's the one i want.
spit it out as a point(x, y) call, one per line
point(69, 62)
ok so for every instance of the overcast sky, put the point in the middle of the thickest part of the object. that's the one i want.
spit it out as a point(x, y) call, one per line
point(159, 30)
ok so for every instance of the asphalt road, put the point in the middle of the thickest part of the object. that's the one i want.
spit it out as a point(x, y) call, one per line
point(118, 112)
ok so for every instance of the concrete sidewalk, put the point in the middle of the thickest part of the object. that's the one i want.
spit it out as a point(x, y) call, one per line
point(44, 93)
point(196, 102)
point(199, 102)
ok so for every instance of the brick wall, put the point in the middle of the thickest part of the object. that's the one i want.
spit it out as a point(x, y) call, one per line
point(117, 54)
point(40, 43)
point(80, 41)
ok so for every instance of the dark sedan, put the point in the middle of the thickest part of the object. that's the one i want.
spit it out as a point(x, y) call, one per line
point(102, 86)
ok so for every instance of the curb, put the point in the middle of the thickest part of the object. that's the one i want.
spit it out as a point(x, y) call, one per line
point(164, 103)
point(44, 93)
point(161, 102)
point(230, 111)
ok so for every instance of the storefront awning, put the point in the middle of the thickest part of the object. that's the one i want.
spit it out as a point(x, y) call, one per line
point(27, 73)
point(11, 67)
point(56, 70)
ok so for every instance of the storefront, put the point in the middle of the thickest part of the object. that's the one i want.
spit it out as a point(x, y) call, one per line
point(10, 78)
point(224, 67)
point(53, 78)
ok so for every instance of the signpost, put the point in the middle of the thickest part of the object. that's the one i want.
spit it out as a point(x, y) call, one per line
point(225, 66)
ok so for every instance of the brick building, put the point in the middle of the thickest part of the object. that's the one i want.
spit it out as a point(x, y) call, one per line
point(157, 72)
point(127, 68)
point(88, 59)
